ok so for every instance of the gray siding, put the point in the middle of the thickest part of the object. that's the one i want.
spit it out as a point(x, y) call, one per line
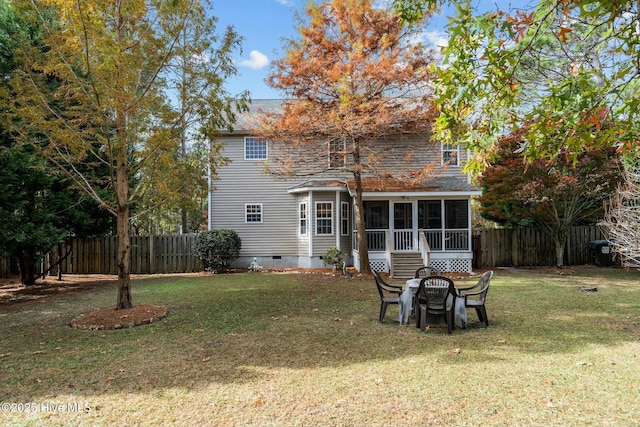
point(397, 155)
point(244, 181)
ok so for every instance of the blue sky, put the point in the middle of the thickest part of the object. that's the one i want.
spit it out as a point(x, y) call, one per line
point(263, 24)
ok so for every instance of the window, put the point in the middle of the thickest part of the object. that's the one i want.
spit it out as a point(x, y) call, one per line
point(303, 218)
point(337, 158)
point(255, 148)
point(324, 218)
point(253, 213)
point(344, 218)
point(450, 154)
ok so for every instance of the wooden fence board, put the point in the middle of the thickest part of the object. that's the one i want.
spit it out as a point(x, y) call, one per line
point(528, 247)
point(149, 255)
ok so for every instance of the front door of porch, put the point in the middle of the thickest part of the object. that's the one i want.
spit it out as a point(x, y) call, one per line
point(403, 232)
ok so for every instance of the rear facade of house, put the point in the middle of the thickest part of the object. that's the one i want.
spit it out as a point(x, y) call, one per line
point(291, 223)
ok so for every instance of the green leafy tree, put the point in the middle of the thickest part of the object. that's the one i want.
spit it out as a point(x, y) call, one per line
point(38, 206)
point(112, 68)
point(39, 209)
point(484, 87)
point(550, 195)
point(28, 226)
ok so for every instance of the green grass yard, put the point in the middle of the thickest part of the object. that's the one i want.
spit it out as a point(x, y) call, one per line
point(307, 350)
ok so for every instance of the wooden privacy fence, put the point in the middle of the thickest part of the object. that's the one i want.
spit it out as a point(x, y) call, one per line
point(174, 253)
point(519, 247)
point(167, 253)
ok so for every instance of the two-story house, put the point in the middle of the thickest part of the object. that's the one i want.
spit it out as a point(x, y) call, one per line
point(291, 223)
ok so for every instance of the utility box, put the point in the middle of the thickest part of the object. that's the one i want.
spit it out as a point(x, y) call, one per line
point(600, 252)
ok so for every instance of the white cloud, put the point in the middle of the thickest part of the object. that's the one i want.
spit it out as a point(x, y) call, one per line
point(285, 2)
point(437, 38)
point(434, 39)
point(257, 60)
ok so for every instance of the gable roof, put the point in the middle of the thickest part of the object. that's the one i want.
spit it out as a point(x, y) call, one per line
point(246, 122)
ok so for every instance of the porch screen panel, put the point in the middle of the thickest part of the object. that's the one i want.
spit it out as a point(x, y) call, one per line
point(376, 222)
point(456, 224)
point(430, 220)
point(376, 215)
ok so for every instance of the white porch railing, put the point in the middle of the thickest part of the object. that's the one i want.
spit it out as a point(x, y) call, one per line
point(376, 240)
point(404, 240)
point(425, 250)
point(434, 239)
point(454, 240)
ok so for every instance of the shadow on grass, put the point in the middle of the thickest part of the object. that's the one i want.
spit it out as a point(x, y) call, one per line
point(237, 328)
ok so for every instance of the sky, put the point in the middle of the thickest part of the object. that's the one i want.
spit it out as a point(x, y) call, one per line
point(263, 24)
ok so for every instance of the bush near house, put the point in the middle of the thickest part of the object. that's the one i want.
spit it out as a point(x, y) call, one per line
point(333, 257)
point(218, 249)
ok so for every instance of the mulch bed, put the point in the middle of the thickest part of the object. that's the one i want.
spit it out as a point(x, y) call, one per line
point(110, 318)
point(14, 295)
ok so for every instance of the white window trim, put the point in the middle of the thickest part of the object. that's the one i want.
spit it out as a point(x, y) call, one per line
point(246, 213)
point(451, 148)
point(300, 218)
point(323, 218)
point(266, 148)
point(344, 218)
point(330, 155)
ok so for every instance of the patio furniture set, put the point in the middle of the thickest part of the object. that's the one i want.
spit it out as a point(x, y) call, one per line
point(432, 299)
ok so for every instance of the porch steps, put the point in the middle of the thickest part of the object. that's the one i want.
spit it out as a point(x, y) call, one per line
point(405, 264)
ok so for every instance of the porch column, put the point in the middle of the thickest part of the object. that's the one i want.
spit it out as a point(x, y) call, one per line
point(338, 226)
point(469, 225)
point(311, 222)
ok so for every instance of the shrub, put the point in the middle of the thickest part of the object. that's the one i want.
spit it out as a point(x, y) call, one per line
point(218, 249)
point(333, 256)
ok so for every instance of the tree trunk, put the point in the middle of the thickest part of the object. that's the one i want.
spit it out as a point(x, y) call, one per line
point(27, 271)
point(363, 248)
point(124, 240)
point(124, 259)
point(122, 192)
point(185, 221)
point(559, 242)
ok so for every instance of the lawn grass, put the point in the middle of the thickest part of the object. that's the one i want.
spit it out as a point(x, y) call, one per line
point(307, 350)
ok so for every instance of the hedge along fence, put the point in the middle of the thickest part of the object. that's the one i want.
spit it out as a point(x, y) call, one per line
point(166, 253)
point(521, 247)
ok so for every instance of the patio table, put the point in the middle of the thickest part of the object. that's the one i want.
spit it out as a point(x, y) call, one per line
point(406, 300)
